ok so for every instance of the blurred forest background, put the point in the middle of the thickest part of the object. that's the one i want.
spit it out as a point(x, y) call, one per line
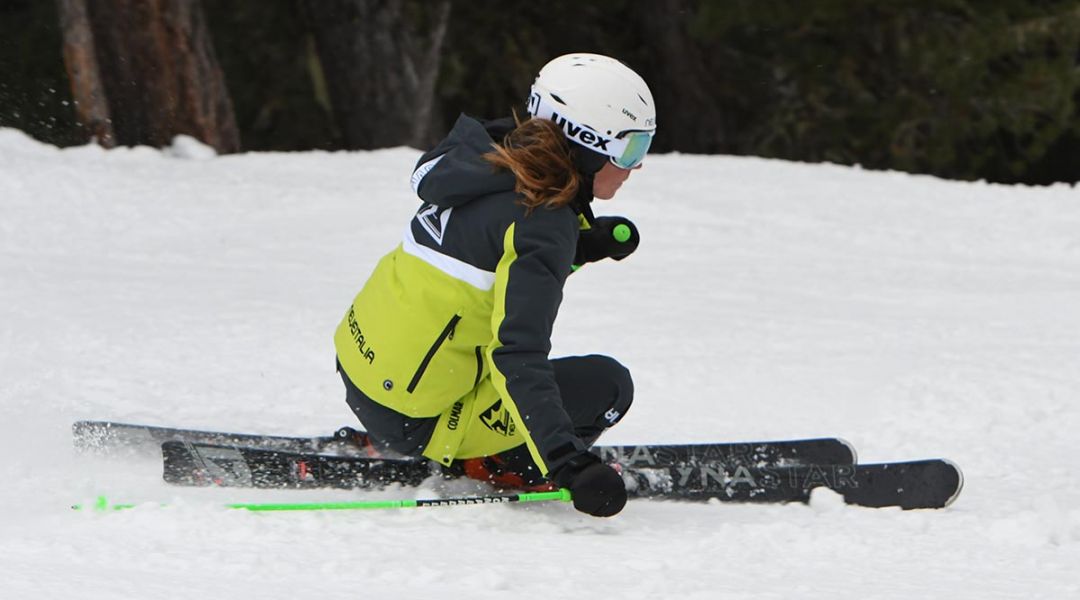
point(962, 89)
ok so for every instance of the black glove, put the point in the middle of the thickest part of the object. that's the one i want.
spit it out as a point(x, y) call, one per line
point(614, 237)
point(598, 489)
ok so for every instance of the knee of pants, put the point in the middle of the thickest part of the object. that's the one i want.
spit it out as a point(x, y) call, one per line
point(387, 429)
point(619, 396)
point(624, 396)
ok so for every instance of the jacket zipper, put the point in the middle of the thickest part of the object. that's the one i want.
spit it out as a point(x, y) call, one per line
point(447, 331)
point(479, 365)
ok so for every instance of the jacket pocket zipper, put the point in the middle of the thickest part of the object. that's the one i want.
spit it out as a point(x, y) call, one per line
point(479, 365)
point(446, 332)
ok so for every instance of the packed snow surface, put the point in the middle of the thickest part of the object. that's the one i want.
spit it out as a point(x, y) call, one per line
point(913, 316)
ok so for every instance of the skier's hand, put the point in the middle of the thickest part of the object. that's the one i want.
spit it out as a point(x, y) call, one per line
point(609, 237)
point(597, 488)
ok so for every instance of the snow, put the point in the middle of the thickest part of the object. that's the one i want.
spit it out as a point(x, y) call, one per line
point(913, 316)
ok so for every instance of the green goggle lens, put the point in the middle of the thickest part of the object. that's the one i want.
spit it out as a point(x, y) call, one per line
point(637, 146)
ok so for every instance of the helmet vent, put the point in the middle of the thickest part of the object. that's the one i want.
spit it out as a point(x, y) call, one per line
point(558, 99)
point(643, 101)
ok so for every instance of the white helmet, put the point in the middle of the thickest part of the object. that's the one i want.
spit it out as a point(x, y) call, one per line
point(599, 103)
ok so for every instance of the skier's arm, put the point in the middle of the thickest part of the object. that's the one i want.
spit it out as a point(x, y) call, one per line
point(537, 252)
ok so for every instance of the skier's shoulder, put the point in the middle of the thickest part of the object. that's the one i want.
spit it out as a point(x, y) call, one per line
point(456, 172)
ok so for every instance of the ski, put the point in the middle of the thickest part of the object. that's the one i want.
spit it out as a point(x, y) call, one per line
point(195, 464)
point(105, 436)
point(932, 483)
point(918, 484)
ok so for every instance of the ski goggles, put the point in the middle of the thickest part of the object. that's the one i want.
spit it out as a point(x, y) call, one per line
point(631, 148)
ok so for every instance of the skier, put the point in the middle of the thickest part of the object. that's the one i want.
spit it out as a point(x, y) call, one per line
point(444, 352)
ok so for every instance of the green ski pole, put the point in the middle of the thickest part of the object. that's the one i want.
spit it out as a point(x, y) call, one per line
point(563, 495)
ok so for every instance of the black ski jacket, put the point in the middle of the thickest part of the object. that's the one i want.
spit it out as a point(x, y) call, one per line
point(472, 292)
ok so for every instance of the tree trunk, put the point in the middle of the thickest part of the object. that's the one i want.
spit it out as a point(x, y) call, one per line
point(80, 60)
point(380, 69)
point(160, 73)
point(686, 81)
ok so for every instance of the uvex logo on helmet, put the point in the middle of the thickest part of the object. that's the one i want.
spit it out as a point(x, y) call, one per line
point(583, 136)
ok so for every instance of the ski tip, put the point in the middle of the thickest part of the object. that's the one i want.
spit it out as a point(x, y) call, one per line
point(851, 449)
point(959, 483)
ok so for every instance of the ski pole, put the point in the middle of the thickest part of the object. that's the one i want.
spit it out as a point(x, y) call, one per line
point(563, 495)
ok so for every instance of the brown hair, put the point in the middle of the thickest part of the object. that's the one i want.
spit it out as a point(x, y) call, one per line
point(538, 155)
